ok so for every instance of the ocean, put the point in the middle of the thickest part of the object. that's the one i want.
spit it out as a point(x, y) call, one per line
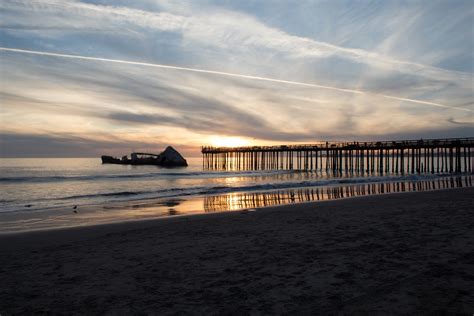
point(37, 193)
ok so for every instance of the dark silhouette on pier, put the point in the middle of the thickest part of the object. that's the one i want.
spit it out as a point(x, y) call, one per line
point(404, 156)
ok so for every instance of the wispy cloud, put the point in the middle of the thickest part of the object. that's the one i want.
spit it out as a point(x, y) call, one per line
point(220, 73)
point(222, 29)
point(151, 72)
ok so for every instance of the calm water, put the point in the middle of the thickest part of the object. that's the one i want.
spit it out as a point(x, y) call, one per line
point(34, 185)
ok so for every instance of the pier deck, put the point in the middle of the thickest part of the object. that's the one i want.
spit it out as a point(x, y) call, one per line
point(403, 156)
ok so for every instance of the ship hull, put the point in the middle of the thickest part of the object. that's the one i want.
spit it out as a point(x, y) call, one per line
point(140, 162)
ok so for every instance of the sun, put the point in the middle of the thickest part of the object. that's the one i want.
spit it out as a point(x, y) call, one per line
point(223, 141)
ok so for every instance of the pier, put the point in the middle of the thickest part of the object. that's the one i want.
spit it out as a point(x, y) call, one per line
point(448, 155)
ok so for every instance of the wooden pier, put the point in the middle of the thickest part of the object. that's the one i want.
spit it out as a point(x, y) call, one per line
point(451, 155)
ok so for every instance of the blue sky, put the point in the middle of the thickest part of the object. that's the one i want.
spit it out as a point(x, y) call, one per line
point(260, 72)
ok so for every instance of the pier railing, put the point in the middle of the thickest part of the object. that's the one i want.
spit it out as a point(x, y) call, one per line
point(401, 156)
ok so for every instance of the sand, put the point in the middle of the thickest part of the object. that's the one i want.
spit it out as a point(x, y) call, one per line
point(391, 254)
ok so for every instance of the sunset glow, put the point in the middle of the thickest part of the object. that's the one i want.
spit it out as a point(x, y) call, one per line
point(199, 73)
point(220, 141)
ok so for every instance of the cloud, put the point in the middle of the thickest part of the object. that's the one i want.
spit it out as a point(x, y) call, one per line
point(465, 123)
point(32, 145)
point(220, 29)
point(195, 102)
point(149, 73)
point(220, 73)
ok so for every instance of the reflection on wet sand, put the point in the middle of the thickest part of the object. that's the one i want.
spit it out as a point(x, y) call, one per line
point(235, 201)
point(144, 210)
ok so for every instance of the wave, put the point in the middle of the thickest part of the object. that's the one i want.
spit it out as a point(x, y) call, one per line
point(178, 192)
point(214, 190)
point(213, 174)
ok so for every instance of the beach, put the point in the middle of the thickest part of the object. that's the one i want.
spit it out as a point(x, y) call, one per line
point(236, 157)
point(390, 254)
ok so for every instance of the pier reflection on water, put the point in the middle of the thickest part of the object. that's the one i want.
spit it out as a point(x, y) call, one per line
point(61, 217)
point(236, 201)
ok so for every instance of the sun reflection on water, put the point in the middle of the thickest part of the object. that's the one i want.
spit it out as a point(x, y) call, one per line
point(244, 200)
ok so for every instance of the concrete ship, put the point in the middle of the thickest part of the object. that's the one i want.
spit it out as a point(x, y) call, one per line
point(170, 157)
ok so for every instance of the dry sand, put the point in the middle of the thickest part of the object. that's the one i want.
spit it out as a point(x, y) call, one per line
point(391, 254)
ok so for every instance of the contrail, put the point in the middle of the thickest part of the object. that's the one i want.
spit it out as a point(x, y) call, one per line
point(220, 73)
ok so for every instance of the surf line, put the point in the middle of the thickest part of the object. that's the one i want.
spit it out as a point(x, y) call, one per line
point(221, 73)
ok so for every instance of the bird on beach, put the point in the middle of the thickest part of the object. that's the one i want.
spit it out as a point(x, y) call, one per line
point(74, 208)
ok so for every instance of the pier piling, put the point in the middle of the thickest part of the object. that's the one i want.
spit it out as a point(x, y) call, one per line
point(452, 155)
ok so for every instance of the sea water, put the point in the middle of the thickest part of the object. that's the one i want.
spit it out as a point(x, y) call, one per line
point(34, 185)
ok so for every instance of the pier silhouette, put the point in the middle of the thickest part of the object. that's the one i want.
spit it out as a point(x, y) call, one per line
point(404, 156)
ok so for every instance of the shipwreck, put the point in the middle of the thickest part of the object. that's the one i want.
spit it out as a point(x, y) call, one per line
point(170, 157)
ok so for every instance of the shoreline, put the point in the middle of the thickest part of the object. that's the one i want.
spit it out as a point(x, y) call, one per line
point(165, 208)
point(153, 221)
point(119, 226)
point(381, 253)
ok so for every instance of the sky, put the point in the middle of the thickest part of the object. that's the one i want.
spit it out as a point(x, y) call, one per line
point(85, 78)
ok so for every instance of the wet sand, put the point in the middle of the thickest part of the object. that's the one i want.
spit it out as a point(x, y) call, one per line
point(392, 254)
point(139, 210)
